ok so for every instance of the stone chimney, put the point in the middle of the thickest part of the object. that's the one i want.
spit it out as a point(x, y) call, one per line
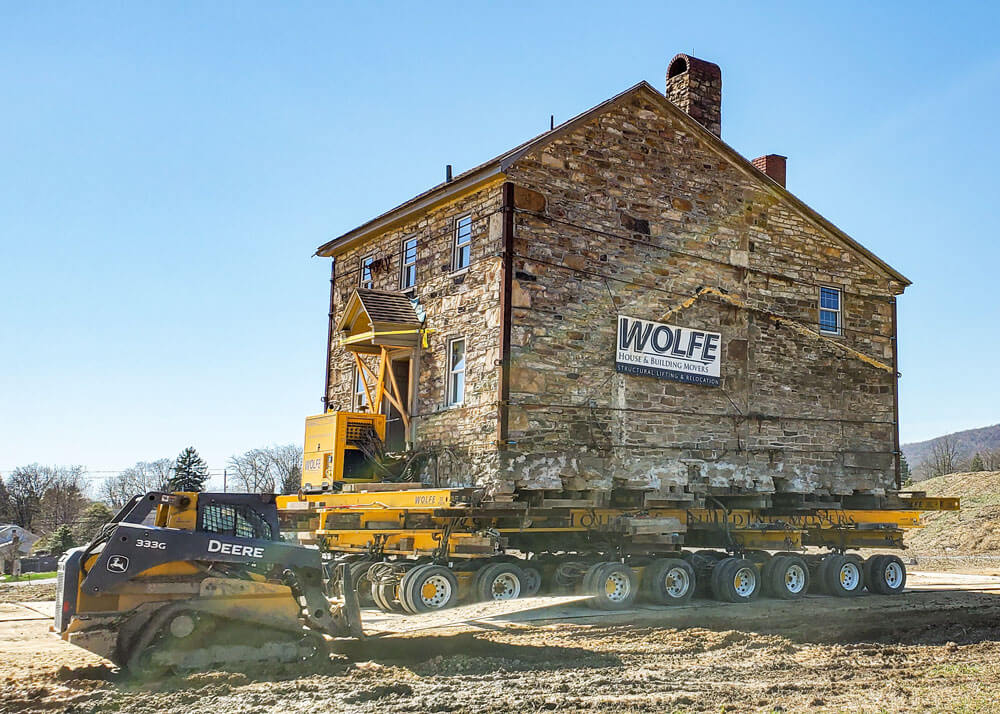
point(773, 165)
point(695, 86)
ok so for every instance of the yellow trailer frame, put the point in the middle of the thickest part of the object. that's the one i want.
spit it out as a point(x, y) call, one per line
point(443, 523)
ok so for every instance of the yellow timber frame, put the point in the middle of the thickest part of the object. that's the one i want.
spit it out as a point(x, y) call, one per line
point(421, 522)
point(383, 381)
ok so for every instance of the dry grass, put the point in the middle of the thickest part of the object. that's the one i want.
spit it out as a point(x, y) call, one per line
point(974, 530)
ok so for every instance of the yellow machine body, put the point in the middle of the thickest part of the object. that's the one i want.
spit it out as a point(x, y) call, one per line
point(332, 446)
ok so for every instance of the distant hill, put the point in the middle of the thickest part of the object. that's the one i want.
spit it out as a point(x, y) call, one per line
point(974, 530)
point(966, 444)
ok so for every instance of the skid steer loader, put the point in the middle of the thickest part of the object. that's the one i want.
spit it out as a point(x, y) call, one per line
point(195, 581)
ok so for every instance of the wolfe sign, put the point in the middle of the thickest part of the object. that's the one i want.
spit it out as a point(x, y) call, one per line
point(654, 349)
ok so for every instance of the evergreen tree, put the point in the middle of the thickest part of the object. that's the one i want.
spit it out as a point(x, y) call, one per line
point(189, 472)
point(977, 463)
point(904, 469)
point(60, 540)
point(91, 521)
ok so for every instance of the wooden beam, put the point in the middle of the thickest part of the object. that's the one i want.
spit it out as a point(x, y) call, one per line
point(362, 370)
point(398, 401)
point(380, 381)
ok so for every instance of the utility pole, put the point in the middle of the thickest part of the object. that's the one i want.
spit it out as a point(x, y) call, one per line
point(224, 484)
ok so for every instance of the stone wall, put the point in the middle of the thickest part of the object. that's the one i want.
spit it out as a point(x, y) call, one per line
point(639, 214)
point(460, 441)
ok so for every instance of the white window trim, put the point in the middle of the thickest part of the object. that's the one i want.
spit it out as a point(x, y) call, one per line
point(403, 264)
point(455, 246)
point(358, 399)
point(839, 311)
point(361, 272)
point(449, 397)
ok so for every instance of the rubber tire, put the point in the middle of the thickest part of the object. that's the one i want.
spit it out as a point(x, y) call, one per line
point(869, 578)
point(377, 598)
point(404, 587)
point(725, 588)
point(654, 584)
point(483, 583)
point(411, 595)
point(388, 597)
point(532, 582)
point(714, 579)
point(586, 585)
point(600, 574)
point(834, 586)
point(767, 577)
point(818, 577)
point(776, 583)
point(359, 576)
point(879, 565)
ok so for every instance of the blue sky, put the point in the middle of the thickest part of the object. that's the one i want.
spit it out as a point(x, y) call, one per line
point(167, 169)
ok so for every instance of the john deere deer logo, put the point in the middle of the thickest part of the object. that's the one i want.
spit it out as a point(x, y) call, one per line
point(118, 564)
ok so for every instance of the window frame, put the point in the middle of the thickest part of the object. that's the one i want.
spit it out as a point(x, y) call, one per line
point(838, 312)
point(370, 283)
point(450, 401)
point(359, 399)
point(456, 248)
point(403, 265)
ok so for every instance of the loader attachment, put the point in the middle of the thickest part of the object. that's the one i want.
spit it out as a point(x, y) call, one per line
point(223, 590)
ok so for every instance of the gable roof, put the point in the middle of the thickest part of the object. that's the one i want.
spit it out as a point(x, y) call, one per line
point(381, 307)
point(495, 168)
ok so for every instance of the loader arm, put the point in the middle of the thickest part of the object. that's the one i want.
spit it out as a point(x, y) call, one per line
point(199, 580)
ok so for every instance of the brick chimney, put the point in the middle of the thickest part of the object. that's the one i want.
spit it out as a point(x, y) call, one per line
point(695, 86)
point(773, 165)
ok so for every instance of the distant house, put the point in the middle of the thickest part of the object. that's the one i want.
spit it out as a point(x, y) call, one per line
point(15, 543)
point(624, 305)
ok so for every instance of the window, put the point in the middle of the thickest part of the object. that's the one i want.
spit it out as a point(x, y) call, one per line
point(829, 311)
point(360, 396)
point(456, 371)
point(463, 243)
point(234, 520)
point(409, 275)
point(366, 272)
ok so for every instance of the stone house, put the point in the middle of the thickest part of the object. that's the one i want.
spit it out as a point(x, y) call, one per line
point(624, 307)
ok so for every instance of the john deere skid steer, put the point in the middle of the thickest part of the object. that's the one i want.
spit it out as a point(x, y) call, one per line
point(192, 581)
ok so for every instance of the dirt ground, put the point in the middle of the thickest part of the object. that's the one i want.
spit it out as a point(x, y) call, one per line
point(935, 648)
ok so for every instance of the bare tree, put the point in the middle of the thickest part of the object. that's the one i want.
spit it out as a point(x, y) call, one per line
point(145, 476)
point(944, 457)
point(44, 496)
point(252, 471)
point(287, 466)
point(64, 498)
point(264, 469)
point(991, 460)
point(26, 486)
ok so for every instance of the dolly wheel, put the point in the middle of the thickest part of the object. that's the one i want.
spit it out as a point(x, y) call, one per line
point(844, 576)
point(888, 575)
point(789, 577)
point(532, 582)
point(669, 581)
point(612, 585)
point(715, 587)
point(737, 580)
point(499, 581)
point(429, 587)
